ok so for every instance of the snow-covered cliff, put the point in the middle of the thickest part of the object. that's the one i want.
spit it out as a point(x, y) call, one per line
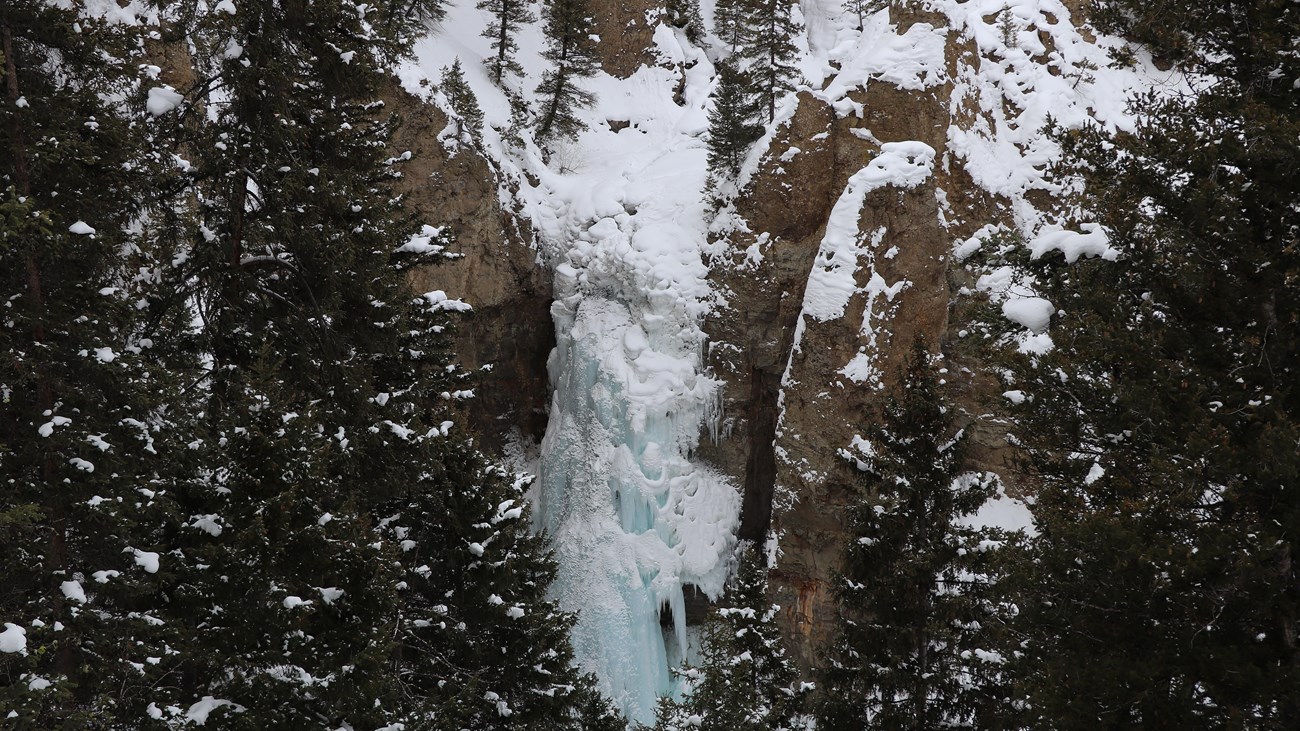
point(712, 365)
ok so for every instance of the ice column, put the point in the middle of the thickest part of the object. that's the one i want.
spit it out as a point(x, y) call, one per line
point(632, 519)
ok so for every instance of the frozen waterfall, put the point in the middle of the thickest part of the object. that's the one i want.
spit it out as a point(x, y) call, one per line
point(621, 218)
point(632, 519)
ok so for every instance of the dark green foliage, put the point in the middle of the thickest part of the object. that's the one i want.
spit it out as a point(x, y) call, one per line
point(519, 116)
point(224, 415)
point(744, 682)
point(507, 16)
point(733, 123)
point(1163, 426)
point(758, 70)
point(287, 600)
point(91, 414)
point(338, 500)
point(468, 115)
point(478, 636)
point(1245, 44)
point(570, 48)
point(685, 14)
point(413, 15)
point(919, 648)
point(767, 51)
point(729, 24)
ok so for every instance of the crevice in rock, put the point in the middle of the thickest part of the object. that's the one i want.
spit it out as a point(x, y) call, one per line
point(760, 466)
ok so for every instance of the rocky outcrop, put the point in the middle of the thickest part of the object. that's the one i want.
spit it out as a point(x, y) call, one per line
point(625, 29)
point(791, 407)
point(509, 335)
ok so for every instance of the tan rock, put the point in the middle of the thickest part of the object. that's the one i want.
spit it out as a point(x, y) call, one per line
point(794, 465)
point(510, 329)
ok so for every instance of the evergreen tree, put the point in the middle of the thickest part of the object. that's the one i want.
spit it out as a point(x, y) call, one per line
point(733, 123)
point(757, 71)
point(286, 597)
point(917, 649)
point(685, 14)
point(413, 14)
point(519, 116)
point(1163, 591)
point(729, 24)
point(479, 637)
point(745, 681)
point(92, 420)
point(216, 415)
point(767, 52)
point(507, 16)
point(332, 577)
point(464, 105)
point(863, 8)
point(569, 46)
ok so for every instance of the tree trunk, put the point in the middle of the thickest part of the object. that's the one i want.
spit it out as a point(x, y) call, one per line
point(57, 560)
point(503, 37)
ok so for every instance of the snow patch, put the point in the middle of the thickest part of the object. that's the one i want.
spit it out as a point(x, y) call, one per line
point(833, 280)
point(1092, 242)
point(1000, 511)
point(1034, 313)
point(147, 560)
point(73, 592)
point(163, 99)
point(13, 639)
point(199, 712)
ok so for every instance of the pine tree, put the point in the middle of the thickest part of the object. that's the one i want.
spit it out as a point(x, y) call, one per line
point(863, 8)
point(1163, 591)
point(479, 638)
point(286, 597)
point(745, 682)
point(216, 413)
point(507, 16)
point(1007, 27)
point(685, 14)
point(733, 123)
point(570, 48)
point(917, 649)
point(332, 579)
point(519, 116)
point(92, 418)
point(414, 15)
point(767, 51)
point(758, 69)
point(464, 105)
point(729, 24)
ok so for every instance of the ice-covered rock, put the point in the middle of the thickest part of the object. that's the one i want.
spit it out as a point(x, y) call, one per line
point(632, 518)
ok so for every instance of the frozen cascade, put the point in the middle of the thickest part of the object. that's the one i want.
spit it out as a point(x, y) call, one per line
point(622, 219)
point(633, 520)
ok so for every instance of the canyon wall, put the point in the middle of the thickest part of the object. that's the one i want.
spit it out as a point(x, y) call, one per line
point(916, 138)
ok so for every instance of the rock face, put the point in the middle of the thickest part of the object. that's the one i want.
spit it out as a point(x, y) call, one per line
point(625, 33)
point(792, 408)
point(509, 334)
point(798, 389)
